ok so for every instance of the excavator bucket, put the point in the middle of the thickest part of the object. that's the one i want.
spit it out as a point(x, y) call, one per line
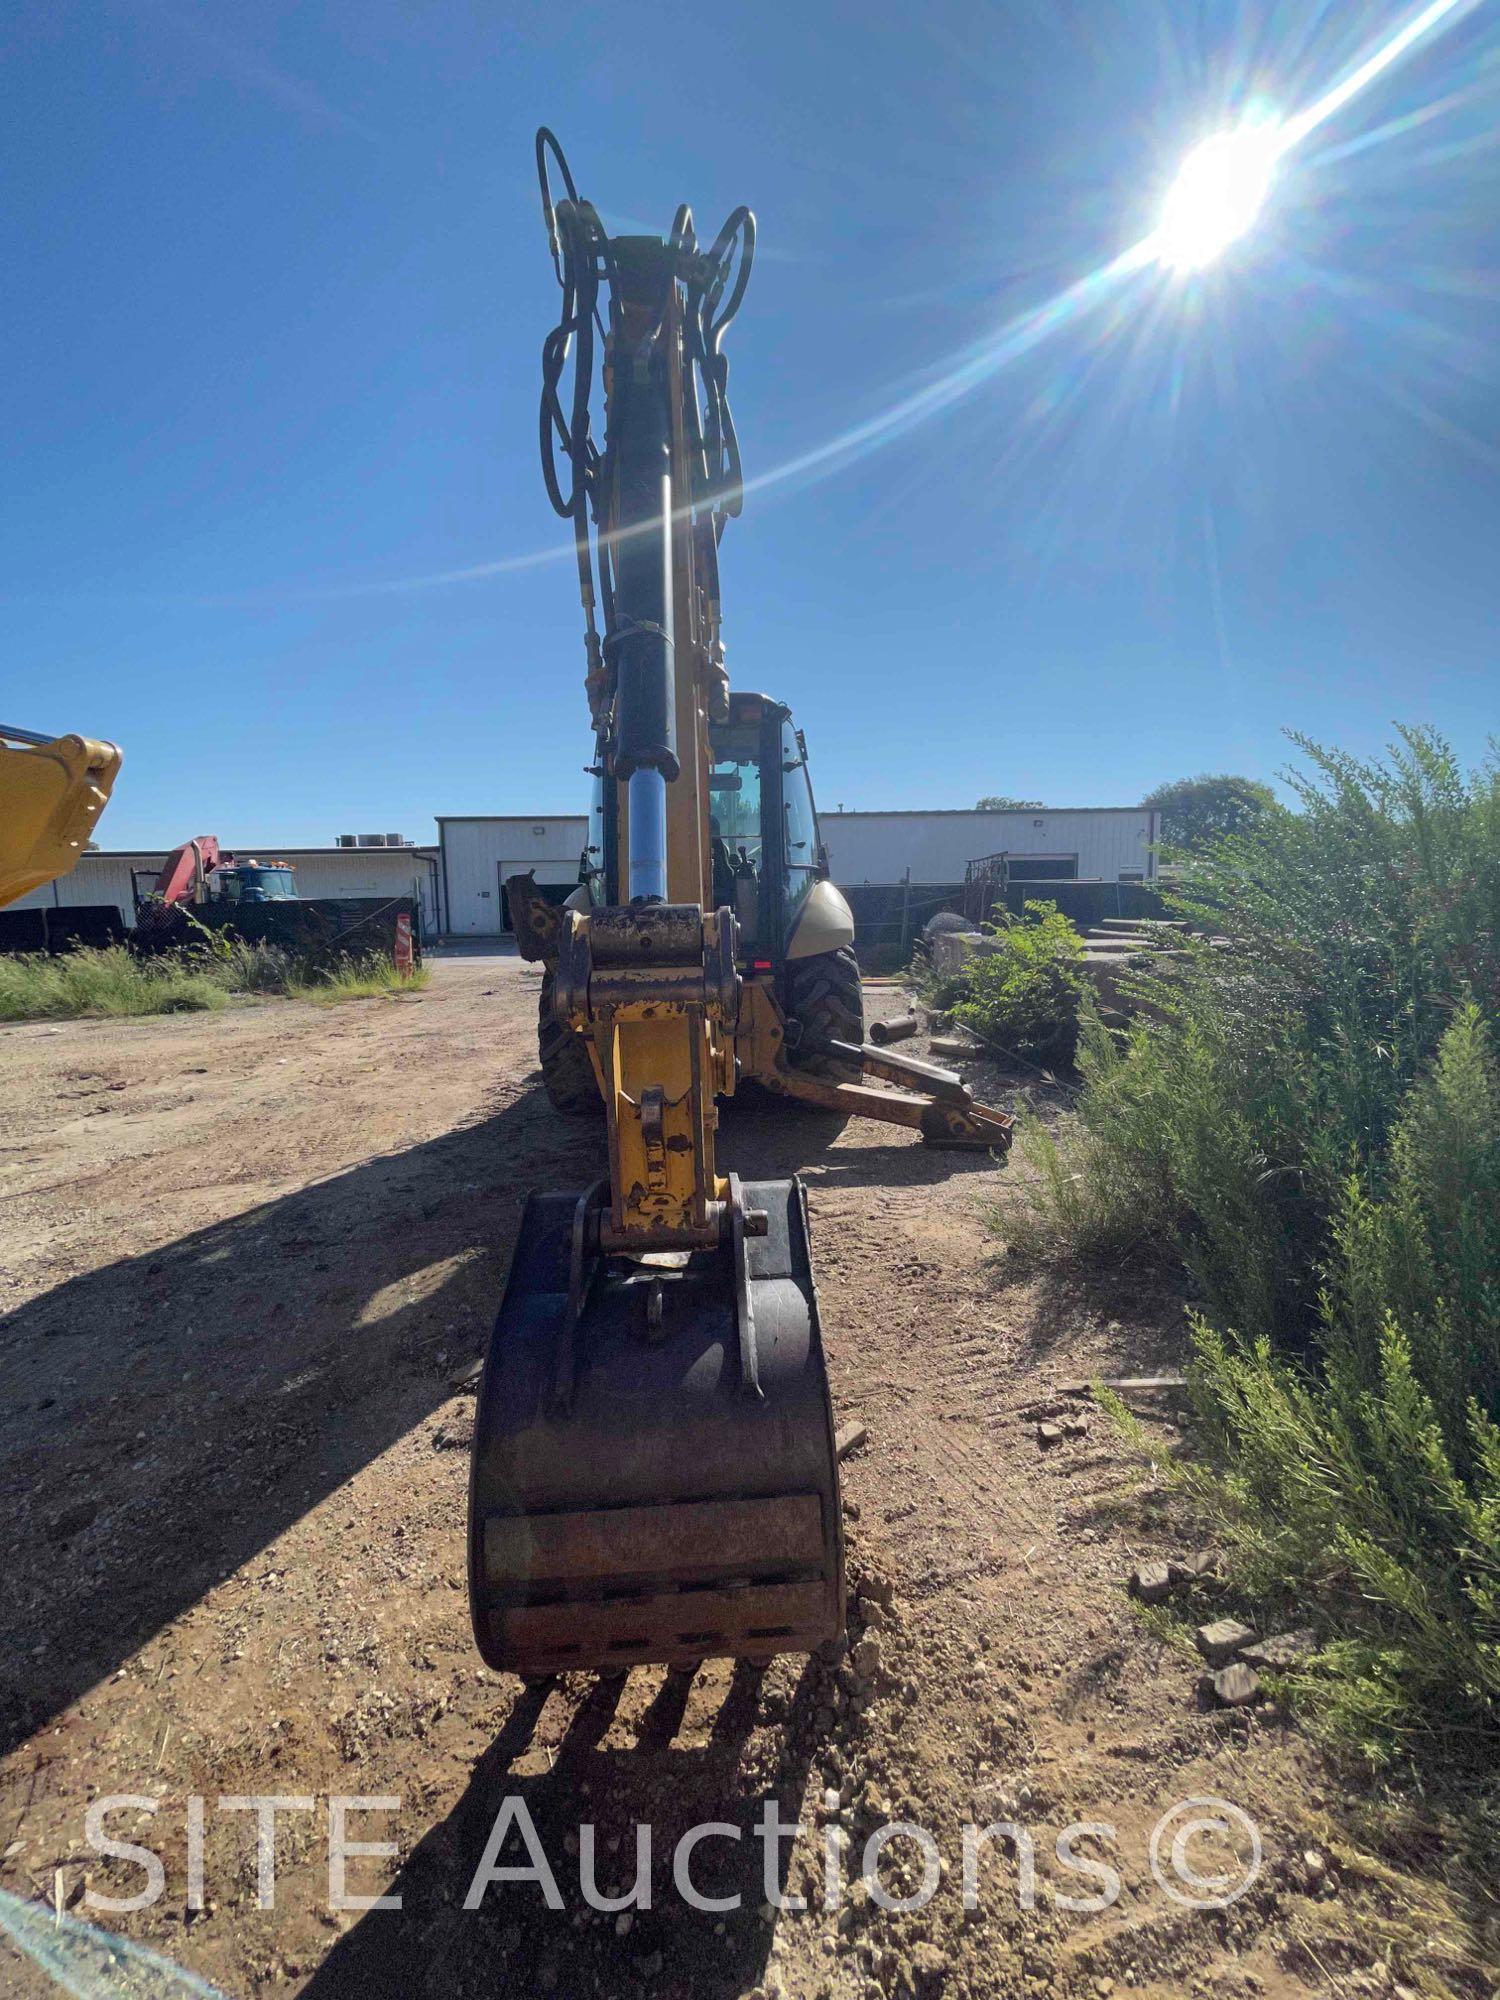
point(654, 1475)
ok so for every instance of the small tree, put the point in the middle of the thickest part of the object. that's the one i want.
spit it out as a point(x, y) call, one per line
point(996, 802)
point(1196, 812)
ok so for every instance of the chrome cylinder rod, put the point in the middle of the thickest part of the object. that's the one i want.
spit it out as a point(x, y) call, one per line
point(648, 835)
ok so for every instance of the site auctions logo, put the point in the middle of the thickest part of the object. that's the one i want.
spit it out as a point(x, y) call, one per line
point(1184, 1838)
point(1185, 1885)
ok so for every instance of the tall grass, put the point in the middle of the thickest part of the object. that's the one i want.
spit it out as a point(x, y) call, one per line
point(357, 979)
point(116, 982)
point(108, 982)
point(1308, 1120)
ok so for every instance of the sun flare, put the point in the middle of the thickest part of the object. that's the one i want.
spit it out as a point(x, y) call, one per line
point(1217, 195)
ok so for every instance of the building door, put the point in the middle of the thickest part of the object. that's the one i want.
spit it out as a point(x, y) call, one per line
point(1041, 867)
point(556, 880)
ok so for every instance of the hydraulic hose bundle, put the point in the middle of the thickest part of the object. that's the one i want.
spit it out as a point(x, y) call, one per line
point(612, 496)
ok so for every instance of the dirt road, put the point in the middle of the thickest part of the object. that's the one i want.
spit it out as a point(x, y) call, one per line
point(243, 1258)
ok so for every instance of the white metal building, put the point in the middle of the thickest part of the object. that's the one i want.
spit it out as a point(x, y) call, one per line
point(1085, 843)
point(477, 853)
point(111, 876)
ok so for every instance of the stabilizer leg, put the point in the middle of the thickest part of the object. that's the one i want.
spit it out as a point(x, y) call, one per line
point(935, 1102)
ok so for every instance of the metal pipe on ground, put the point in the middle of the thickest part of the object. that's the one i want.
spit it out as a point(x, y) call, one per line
point(882, 1032)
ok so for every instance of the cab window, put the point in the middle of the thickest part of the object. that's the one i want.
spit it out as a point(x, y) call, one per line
point(734, 788)
point(800, 832)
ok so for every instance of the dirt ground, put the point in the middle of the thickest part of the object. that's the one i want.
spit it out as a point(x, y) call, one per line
point(242, 1260)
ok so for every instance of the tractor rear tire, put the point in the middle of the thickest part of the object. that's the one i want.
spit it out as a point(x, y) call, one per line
point(567, 1073)
point(826, 1000)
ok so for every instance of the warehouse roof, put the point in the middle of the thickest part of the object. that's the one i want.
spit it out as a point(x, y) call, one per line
point(834, 812)
point(248, 847)
point(970, 812)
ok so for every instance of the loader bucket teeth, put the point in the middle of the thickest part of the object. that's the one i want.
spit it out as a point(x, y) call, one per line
point(658, 1512)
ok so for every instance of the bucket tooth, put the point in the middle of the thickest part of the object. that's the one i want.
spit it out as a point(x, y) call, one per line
point(658, 1512)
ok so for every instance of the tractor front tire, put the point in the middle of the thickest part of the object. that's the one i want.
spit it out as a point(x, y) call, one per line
point(567, 1073)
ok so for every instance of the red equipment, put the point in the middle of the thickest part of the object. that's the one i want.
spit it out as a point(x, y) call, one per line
point(185, 873)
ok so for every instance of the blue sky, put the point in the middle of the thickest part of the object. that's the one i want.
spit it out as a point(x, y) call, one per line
point(276, 290)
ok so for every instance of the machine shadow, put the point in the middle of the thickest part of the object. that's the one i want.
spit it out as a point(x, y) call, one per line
point(672, 1950)
point(167, 1415)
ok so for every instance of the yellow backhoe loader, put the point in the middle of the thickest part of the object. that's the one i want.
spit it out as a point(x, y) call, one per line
point(52, 791)
point(654, 1476)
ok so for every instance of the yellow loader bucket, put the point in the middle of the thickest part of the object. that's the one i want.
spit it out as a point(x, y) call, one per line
point(654, 1476)
point(52, 791)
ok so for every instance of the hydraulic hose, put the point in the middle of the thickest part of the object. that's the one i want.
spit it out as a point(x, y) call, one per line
point(627, 488)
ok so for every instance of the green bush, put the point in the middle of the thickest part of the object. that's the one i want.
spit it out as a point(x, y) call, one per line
point(1375, 1481)
point(1308, 1118)
point(1023, 991)
point(1102, 1191)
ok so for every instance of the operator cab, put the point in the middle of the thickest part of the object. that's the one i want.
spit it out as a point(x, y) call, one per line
point(762, 825)
point(763, 830)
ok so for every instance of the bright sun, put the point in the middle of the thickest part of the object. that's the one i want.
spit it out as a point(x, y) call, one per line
point(1216, 196)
